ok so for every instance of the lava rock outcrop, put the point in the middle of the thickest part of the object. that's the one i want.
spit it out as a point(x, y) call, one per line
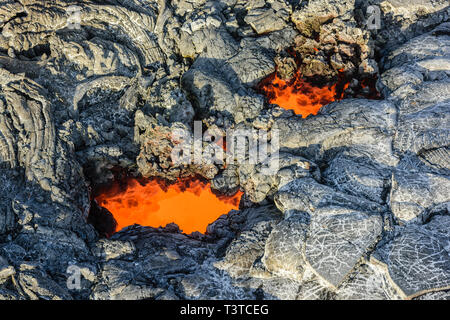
point(358, 209)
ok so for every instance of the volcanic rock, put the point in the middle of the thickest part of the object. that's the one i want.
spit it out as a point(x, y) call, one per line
point(357, 208)
point(411, 246)
point(264, 21)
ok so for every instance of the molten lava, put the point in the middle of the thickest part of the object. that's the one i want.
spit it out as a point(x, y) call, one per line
point(189, 203)
point(299, 95)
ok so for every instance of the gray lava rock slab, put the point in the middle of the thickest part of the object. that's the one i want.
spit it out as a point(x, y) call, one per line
point(317, 12)
point(358, 176)
point(402, 20)
point(417, 258)
point(364, 126)
point(309, 196)
point(368, 282)
point(248, 246)
point(284, 249)
point(414, 193)
point(336, 243)
point(264, 20)
point(424, 130)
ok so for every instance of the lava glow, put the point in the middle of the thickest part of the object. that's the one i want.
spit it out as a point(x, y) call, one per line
point(189, 203)
point(299, 95)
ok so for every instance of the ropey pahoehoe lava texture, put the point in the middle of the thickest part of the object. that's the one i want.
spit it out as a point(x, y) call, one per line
point(358, 209)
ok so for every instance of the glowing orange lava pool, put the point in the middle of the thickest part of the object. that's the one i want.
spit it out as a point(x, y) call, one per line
point(299, 95)
point(190, 204)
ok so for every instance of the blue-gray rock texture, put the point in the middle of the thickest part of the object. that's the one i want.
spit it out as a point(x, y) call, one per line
point(358, 209)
